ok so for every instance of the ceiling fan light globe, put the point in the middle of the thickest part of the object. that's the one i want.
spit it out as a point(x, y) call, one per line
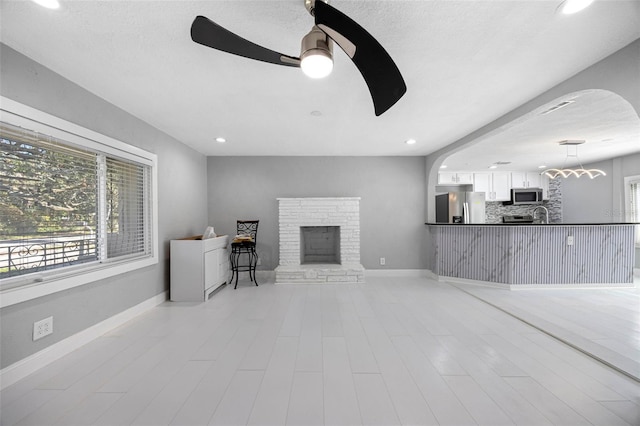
point(49, 4)
point(316, 57)
point(316, 64)
point(569, 7)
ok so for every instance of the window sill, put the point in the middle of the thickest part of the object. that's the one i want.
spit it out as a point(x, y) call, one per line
point(56, 283)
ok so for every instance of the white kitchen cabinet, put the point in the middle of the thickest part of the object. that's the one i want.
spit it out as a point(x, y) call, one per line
point(465, 178)
point(496, 185)
point(501, 186)
point(525, 180)
point(533, 180)
point(198, 267)
point(518, 179)
point(455, 178)
point(482, 183)
point(446, 178)
point(544, 184)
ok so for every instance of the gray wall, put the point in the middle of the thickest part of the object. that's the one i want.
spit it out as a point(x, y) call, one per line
point(600, 199)
point(591, 200)
point(182, 207)
point(608, 191)
point(391, 209)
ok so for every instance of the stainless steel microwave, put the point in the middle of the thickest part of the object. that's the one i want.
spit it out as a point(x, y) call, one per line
point(521, 196)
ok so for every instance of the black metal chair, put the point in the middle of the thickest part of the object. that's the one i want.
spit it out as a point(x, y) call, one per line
point(244, 244)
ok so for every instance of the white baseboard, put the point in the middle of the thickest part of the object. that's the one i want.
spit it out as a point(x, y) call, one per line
point(455, 280)
point(431, 275)
point(266, 275)
point(21, 369)
point(582, 286)
point(261, 275)
point(408, 273)
point(564, 286)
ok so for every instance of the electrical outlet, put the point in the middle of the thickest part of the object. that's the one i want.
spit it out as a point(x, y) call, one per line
point(42, 328)
point(570, 240)
point(259, 262)
point(382, 261)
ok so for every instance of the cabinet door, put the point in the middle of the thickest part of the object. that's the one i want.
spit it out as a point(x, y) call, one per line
point(533, 180)
point(464, 178)
point(223, 265)
point(518, 180)
point(544, 183)
point(211, 268)
point(502, 186)
point(482, 183)
point(446, 178)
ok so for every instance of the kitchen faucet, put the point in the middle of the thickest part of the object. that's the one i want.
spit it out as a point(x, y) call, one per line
point(546, 214)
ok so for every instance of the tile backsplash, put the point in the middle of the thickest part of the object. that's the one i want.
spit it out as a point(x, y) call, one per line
point(495, 210)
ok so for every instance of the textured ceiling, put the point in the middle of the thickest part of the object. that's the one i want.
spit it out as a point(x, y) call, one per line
point(465, 63)
point(606, 122)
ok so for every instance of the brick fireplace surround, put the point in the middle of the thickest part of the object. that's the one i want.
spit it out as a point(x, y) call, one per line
point(298, 212)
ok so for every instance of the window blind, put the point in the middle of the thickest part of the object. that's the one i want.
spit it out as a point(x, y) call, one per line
point(62, 205)
point(127, 217)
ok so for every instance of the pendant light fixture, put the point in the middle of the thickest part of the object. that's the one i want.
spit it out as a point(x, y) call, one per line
point(572, 151)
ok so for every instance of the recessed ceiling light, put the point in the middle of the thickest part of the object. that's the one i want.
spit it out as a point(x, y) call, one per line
point(543, 166)
point(557, 107)
point(493, 166)
point(410, 141)
point(571, 142)
point(220, 140)
point(569, 7)
point(443, 166)
point(49, 4)
point(316, 113)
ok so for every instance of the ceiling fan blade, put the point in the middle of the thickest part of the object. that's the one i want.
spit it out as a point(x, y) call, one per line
point(206, 32)
point(381, 74)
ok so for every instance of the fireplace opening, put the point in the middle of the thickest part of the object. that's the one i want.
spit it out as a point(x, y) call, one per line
point(319, 244)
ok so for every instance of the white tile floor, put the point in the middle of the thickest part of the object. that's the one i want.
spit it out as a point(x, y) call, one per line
point(602, 322)
point(391, 351)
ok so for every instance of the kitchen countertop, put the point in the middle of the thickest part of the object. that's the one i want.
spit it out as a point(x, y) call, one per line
point(530, 224)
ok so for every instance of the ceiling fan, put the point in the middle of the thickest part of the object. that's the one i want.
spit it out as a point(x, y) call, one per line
point(381, 74)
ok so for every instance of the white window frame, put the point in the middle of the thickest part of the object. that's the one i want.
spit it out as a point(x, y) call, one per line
point(629, 214)
point(32, 286)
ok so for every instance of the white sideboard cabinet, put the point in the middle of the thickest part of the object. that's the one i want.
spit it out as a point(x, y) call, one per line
point(198, 267)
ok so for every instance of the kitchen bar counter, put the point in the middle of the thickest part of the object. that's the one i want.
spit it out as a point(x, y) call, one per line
point(535, 255)
point(531, 224)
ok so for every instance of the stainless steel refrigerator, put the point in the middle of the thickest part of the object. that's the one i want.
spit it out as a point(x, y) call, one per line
point(460, 207)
